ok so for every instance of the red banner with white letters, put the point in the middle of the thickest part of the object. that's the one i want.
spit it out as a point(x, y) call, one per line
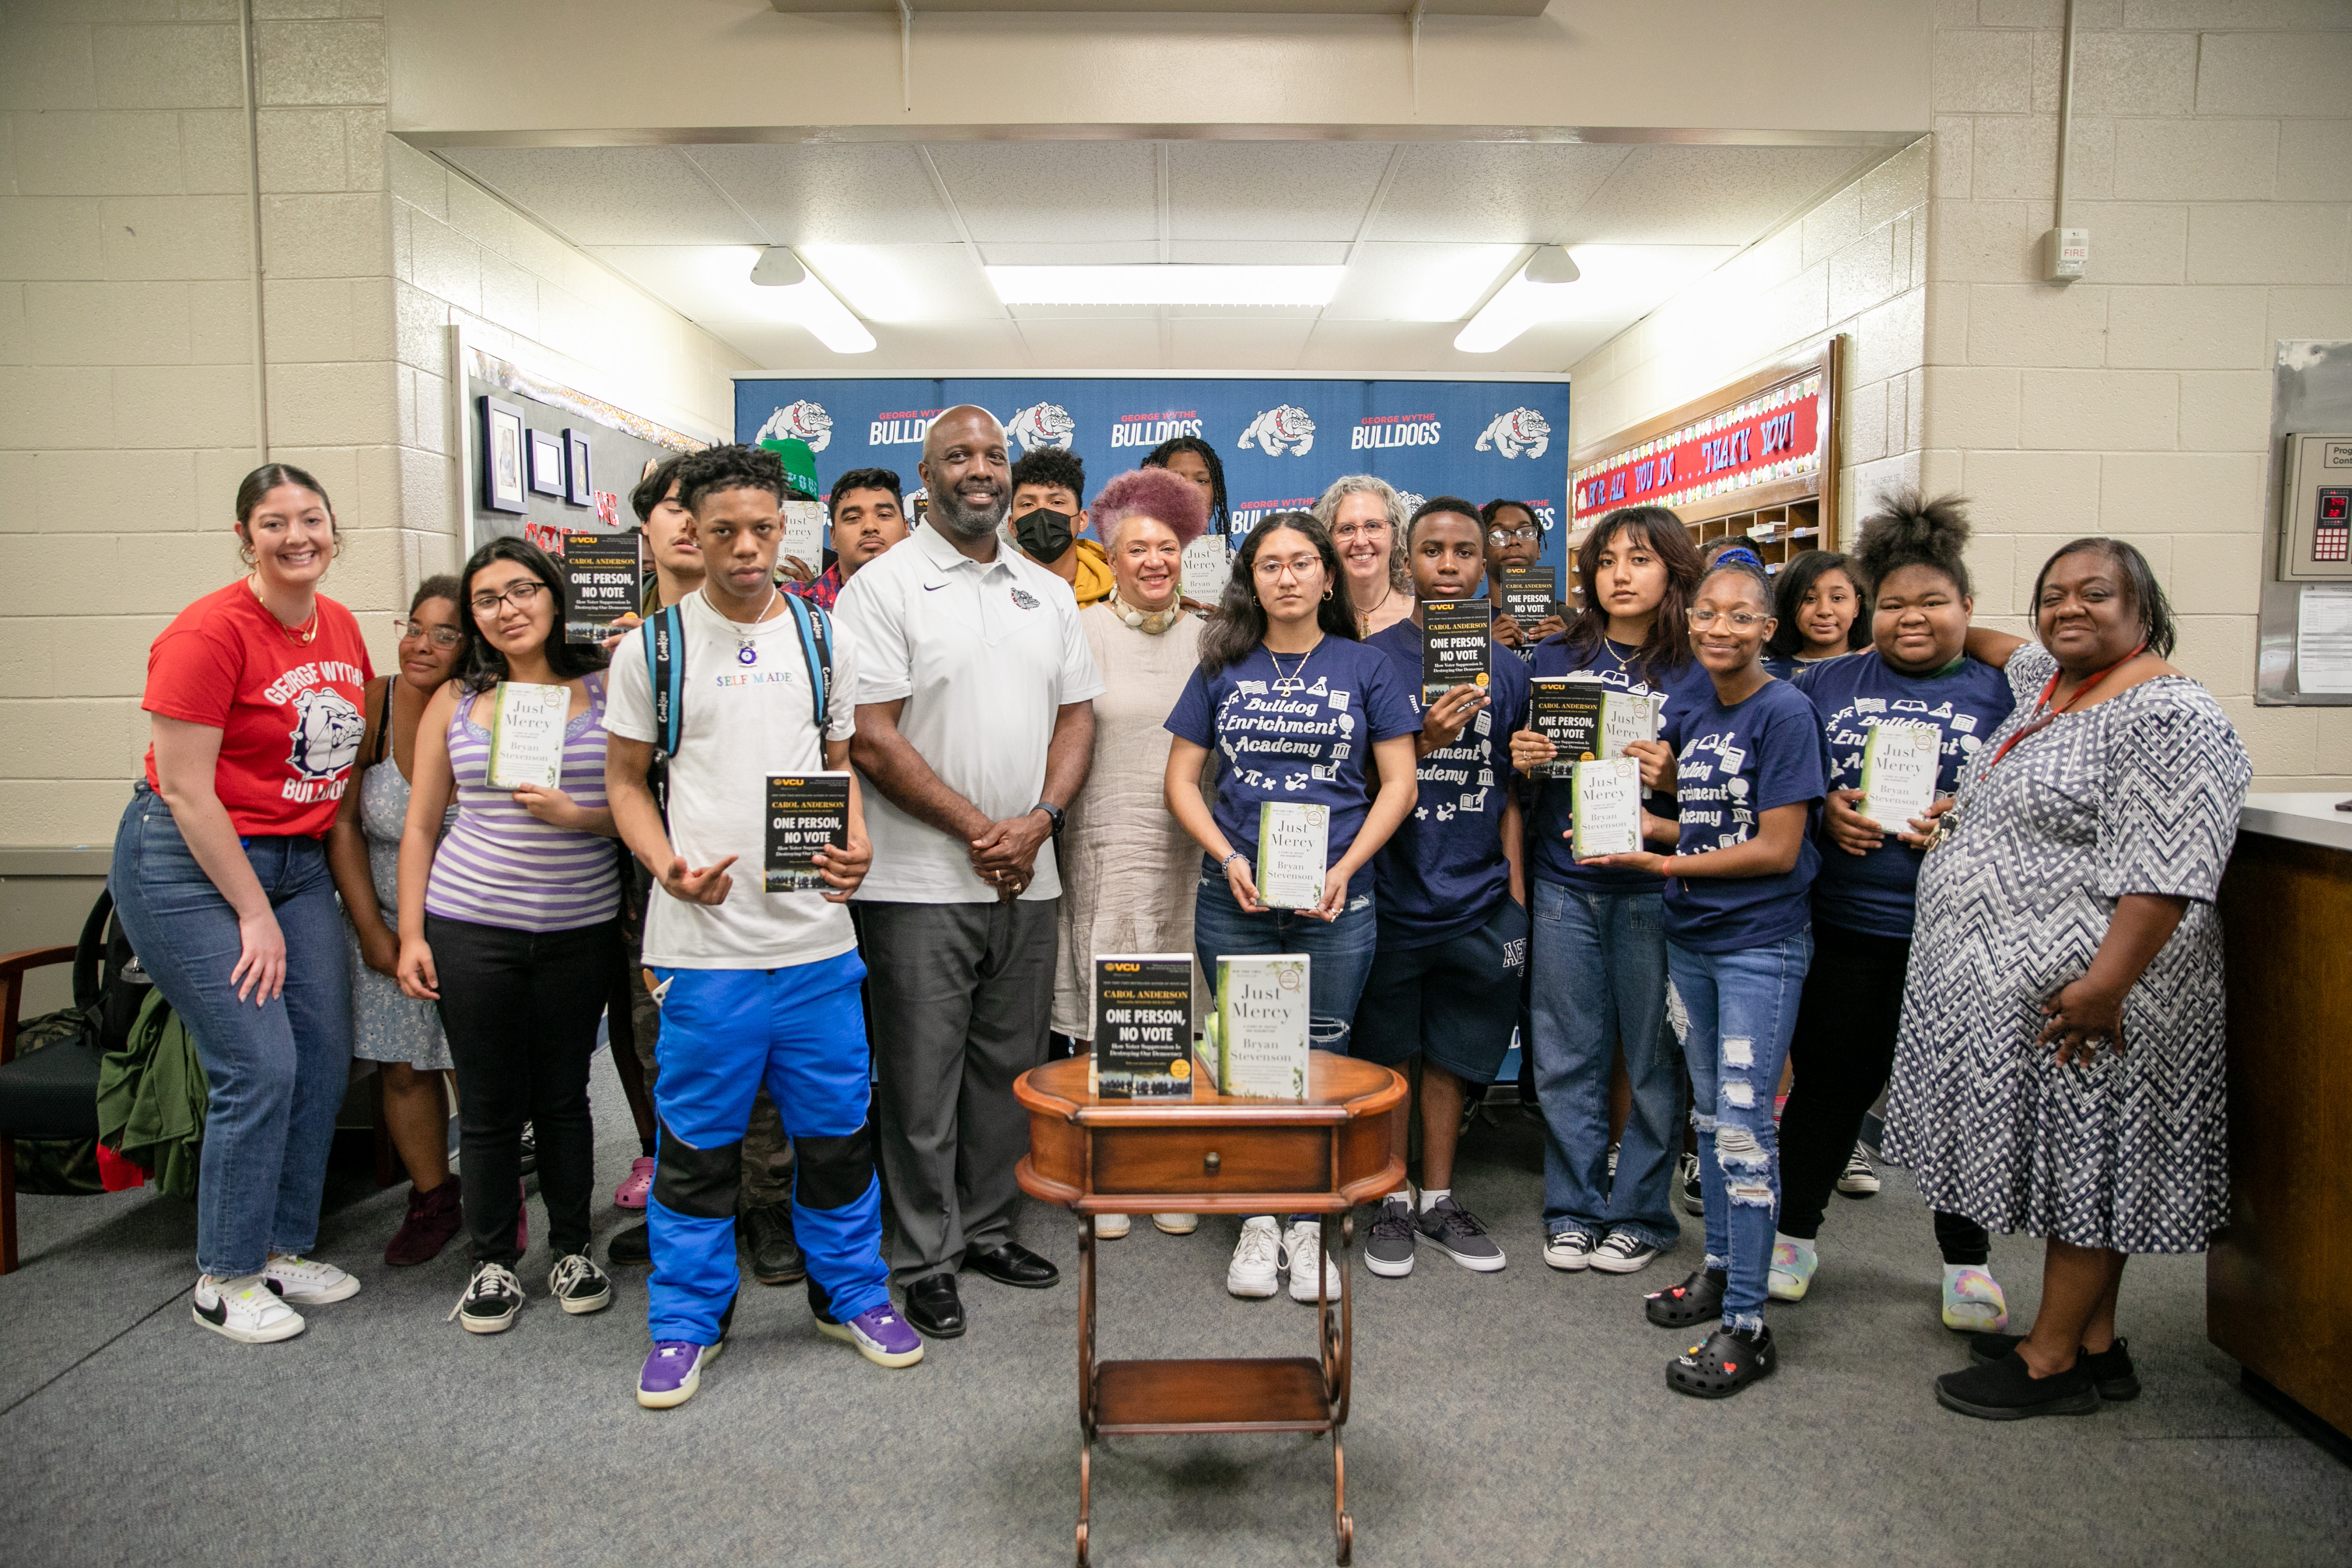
point(1780, 434)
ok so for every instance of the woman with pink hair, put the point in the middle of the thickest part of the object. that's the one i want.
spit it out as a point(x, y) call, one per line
point(1128, 869)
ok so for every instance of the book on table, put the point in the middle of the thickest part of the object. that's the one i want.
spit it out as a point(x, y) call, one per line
point(1256, 1043)
point(1607, 810)
point(526, 727)
point(1143, 1026)
point(1294, 839)
point(605, 571)
point(803, 536)
point(807, 812)
point(1899, 764)
point(1454, 636)
point(1529, 594)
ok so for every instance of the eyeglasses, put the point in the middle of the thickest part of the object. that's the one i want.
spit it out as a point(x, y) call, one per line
point(1357, 530)
point(520, 595)
point(1740, 620)
point(1512, 536)
point(1268, 571)
point(439, 636)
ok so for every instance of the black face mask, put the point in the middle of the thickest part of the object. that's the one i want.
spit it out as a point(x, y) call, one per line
point(1044, 533)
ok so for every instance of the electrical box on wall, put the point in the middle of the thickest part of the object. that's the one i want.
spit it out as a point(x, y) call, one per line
point(2065, 255)
point(2315, 527)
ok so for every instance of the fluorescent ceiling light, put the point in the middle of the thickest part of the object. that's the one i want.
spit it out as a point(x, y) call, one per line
point(1586, 283)
point(777, 286)
point(1166, 284)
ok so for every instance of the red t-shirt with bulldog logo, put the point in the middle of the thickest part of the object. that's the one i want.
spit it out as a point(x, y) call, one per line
point(288, 711)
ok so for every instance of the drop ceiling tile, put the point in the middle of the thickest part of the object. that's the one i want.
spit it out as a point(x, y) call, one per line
point(1272, 189)
point(610, 195)
point(1511, 192)
point(905, 282)
point(1707, 195)
point(1127, 342)
point(1373, 347)
point(1419, 282)
point(1260, 252)
point(861, 193)
point(1058, 253)
point(702, 282)
point(1053, 190)
point(1209, 343)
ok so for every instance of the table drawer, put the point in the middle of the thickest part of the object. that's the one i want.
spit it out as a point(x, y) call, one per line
point(1209, 1160)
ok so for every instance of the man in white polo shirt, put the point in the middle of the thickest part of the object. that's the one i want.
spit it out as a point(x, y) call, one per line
point(975, 723)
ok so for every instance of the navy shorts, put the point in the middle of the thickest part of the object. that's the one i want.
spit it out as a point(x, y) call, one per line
point(1454, 1002)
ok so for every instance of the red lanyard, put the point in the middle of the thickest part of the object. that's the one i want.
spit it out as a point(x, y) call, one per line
point(2041, 721)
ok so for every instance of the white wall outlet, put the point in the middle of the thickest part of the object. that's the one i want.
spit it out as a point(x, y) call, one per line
point(2066, 253)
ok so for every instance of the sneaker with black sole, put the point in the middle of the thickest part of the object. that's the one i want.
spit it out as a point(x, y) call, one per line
point(245, 1309)
point(1388, 1252)
point(2111, 1369)
point(1570, 1251)
point(1860, 1178)
point(1695, 1300)
point(528, 1149)
point(1623, 1253)
point(766, 1234)
point(307, 1282)
point(2007, 1390)
point(1461, 1235)
point(1727, 1361)
point(493, 1295)
point(578, 1285)
point(1694, 1196)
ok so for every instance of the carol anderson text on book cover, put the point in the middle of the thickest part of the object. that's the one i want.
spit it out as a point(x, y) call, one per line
point(605, 570)
point(805, 813)
point(1568, 713)
point(1454, 638)
point(1527, 593)
point(1143, 1026)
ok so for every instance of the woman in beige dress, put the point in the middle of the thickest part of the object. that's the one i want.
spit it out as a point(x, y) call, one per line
point(1129, 870)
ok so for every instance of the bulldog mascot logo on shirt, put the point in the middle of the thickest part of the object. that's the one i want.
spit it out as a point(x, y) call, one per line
point(327, 729)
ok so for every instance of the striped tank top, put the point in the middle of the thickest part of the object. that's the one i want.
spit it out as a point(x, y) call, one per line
point(499, 865)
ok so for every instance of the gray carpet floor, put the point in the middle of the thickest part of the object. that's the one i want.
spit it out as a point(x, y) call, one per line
point(1512, 1417)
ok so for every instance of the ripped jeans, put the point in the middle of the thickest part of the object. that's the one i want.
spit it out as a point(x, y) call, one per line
point(1339, 954)
point(1742, 1011)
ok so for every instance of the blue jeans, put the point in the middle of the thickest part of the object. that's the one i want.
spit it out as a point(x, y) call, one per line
point(276, 1071)
point(1599, 966)
point(1743, 1010)
point(1339, 953)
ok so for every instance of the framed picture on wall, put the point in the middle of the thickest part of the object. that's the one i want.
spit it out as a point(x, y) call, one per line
point(575, 468)
point(502, 456)
point(546, 463)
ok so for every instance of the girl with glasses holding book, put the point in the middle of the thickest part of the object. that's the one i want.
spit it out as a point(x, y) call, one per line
point(509, 923)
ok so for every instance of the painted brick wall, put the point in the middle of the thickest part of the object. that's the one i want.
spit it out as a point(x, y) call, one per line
point(126, 406)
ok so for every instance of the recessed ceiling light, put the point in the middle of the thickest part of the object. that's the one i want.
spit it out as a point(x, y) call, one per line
point(780, 286)
point(1586, 283)
point(1166, 284)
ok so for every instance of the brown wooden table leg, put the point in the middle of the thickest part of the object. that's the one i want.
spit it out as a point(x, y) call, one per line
point(1336, 1369)
point(1086, 1378)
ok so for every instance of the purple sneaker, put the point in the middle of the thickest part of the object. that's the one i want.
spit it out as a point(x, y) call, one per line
point(673, 1372)
point(880, 1334)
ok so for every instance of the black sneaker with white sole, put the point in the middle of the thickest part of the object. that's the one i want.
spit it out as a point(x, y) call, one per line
point(1388, 1253)
point(1694, 1197)
point(493, 1295)
point(1860, 1178)
point(1622, 1252)
point(1460, 1235)
point(578, 1285)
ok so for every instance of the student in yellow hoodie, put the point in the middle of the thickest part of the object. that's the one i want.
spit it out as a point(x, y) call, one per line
point(1048, 484)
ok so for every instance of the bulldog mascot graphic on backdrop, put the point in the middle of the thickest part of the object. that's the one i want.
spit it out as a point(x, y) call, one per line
point(326, 738)
point(801, 421)
point(1042, 424)
point(1281, 429)
point(1522, 432)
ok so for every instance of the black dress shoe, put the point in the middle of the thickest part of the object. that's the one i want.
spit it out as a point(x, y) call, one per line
point(1013, 1264)
point(935, 1308)
point(634, 1244)
point(767, 1235)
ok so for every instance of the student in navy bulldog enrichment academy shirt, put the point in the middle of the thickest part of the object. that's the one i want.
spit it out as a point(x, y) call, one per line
point(1598, 955)
point(1292, 703)
point(1749, 770)
point(1452, 903)
point(1915, 672)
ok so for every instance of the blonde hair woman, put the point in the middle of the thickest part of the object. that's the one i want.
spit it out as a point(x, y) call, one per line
point(1366, 519)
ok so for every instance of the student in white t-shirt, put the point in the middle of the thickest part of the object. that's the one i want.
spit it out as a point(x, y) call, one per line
point(753, 985)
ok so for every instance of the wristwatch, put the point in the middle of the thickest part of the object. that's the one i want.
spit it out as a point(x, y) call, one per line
point(1050, 809)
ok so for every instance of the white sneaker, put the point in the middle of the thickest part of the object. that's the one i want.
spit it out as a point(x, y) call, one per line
point(1859, 1179)
point(247, 1310)
point(307, 1282)
point(1302, 1244)
point(1111, 1227)
point(1176, 1223)
point(1254, 1270)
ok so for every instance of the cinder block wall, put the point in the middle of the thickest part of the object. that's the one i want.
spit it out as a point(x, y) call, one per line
point(126, 414)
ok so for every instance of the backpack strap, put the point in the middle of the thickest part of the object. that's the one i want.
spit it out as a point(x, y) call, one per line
point(664, 639)
point(816, 647)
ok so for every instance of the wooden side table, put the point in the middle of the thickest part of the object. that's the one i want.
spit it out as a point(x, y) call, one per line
point(1213, 1155)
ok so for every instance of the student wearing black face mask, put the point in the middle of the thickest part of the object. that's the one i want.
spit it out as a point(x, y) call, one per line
point(1047, 520)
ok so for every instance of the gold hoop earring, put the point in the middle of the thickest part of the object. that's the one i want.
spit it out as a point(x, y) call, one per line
point(1326, 592)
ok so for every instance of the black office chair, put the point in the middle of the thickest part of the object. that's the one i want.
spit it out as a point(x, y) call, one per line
point(48, 1094)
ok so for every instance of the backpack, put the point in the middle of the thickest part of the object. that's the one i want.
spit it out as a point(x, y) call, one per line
point(108, 987)
point(664, 639)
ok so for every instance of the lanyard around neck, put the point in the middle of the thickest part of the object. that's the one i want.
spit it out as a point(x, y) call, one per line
point(2039, 720)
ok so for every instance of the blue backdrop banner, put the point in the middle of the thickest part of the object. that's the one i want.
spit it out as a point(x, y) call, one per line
point(1281, 441)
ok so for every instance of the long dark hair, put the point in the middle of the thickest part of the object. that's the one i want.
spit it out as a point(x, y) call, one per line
point(1790, 588)
point(480, 665)
point(1220, 517)
point(1667, 647)
point(1239, 625)
point(2146, 594)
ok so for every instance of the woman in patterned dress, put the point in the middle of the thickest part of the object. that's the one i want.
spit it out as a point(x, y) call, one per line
point(2059, 1069)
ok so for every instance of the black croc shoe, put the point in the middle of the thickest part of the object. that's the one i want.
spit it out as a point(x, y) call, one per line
point(1728, 1361)
point(2110, 1369)
point(1695, 1300)
point(2006, 1391)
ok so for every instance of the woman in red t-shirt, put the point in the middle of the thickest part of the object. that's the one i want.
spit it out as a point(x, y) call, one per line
point(221, 878)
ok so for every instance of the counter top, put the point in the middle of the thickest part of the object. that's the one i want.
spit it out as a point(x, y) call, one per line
point(2308, 818)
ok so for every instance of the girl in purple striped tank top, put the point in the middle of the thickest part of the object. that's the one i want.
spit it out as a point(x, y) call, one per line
point(509, 923)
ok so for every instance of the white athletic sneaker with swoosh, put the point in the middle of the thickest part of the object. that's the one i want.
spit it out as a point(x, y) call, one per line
point(245, 1309)
point(307, 1282)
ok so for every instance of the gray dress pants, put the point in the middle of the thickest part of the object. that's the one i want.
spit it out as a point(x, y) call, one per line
point(962, 996)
